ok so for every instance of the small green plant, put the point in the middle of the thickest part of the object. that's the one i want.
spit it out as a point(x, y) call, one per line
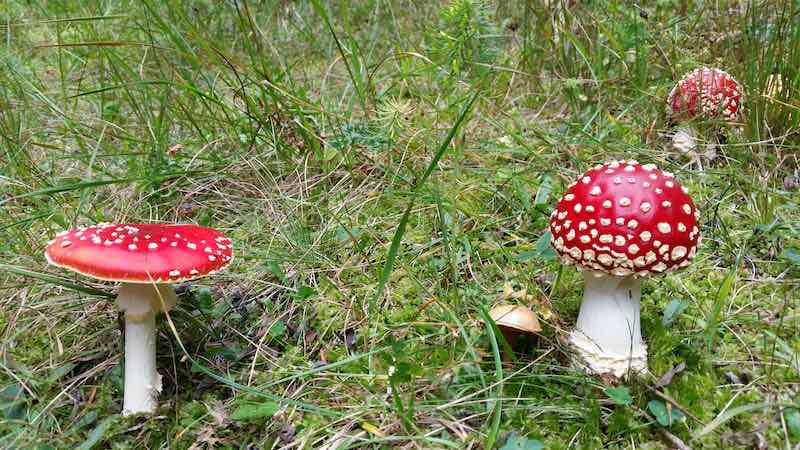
point(468, 38)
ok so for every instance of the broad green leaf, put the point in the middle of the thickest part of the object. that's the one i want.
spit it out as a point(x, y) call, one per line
point(205, 300)
point(672, 311)
point(250, 411)
point(541, 250)
point(792, 255)
point(522, 194)
point(792, 417)
point(304, 292)
point(545, 188)
point(277, 270)
point(516, 442)
point(621, 395)
point(664, 414)
point(98, 433)
point(278, 329)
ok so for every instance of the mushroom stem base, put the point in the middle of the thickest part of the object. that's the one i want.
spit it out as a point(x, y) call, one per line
point(607, 337)
point(141, 303)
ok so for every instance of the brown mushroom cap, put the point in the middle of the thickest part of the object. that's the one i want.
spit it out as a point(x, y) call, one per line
point(515, 317)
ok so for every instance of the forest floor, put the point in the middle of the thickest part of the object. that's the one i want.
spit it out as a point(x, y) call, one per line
point(386, 170)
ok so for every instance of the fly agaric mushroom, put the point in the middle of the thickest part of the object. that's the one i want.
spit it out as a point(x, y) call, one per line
point(703, 93)
point(515, 321)
point(620, 222)
point(145, 258)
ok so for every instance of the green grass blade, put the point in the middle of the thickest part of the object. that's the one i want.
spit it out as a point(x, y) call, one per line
point(491, 436)
point(720, 300)
point(401, 227)
point(52, 279)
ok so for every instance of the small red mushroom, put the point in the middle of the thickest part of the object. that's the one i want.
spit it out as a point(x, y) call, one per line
point(620, 222)
point(703, 93)
point(145, 258)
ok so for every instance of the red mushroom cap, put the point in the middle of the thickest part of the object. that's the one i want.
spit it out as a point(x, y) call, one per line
point(624, 218)
point(141, 253)
point(706, 93)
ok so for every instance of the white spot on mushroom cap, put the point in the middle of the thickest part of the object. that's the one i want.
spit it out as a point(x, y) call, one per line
point(624, 201)
point(595, 191)
point(678, 252)
point(152, 246)
point(664, 227)
point(645, 206)
point(605, 259)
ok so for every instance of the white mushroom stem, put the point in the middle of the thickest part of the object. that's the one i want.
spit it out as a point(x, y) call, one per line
point(608, 337)
point(141, 303)
point(684, 140)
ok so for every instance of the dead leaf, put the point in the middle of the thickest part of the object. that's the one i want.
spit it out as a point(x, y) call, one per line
point(666, 379)
point(175, 149)
point(286, 433)
point(217, 412)
point(205, 435)
point(371, 429)
point(310, 337)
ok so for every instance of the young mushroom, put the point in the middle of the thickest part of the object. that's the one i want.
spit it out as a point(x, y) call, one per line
point(620, 222)
point(514, 322)
point(703, 93)
point(146, 259)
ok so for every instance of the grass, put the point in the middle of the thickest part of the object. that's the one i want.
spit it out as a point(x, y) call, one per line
point(386, 170)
